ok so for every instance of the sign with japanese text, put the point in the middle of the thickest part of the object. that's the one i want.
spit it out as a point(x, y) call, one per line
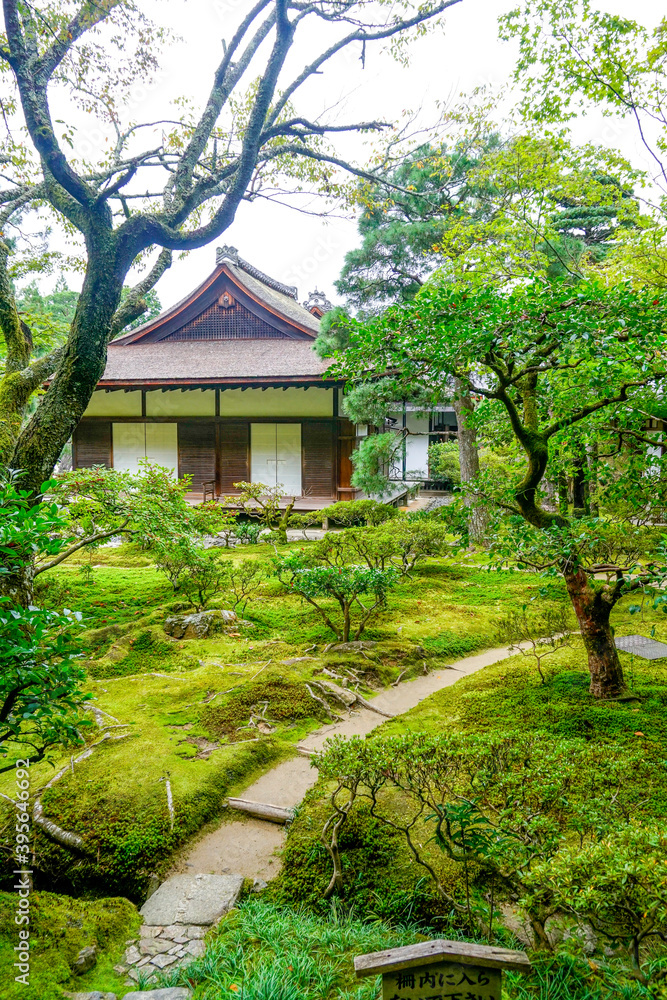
point(442, 981)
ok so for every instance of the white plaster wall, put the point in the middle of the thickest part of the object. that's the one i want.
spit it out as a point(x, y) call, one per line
point(191, 403)
point(162, 445)
point(291, 402)
point(114, 404)
point(135, 441)
point(416, 458)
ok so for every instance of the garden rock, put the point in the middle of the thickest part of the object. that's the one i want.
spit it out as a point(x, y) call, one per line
point(585, 936)
point(192, 899)
point(198, 625)
point(95, 995)
point(170, 993)
point(516, 921)
point(561, 928)
point(85, 960)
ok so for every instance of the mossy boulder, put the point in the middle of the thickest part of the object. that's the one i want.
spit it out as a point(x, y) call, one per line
point(198, 625)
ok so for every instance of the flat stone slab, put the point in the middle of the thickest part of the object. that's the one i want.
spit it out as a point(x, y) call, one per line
point(95, 995)
point(192, 899)
point(640, 645)
point(171, 993)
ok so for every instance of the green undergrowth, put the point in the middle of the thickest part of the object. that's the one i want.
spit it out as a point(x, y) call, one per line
point(59, 927)
point(381, 877)
point(268, 951)
point(184, 707)
point(263, 951)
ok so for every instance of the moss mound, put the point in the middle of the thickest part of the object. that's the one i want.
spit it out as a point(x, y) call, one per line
point(59, 927)
point(128, 832)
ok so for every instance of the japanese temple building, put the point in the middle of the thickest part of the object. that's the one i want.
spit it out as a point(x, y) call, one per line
point(225, 386)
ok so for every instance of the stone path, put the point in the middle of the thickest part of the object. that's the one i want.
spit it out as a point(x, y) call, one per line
point(251, 847)
point(207, 881)
point(176, 919)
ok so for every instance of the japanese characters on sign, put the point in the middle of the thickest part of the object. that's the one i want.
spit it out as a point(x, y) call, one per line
point(442, 981)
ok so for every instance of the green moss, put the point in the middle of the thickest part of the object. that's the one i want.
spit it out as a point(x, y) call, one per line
point(59, 927)
point(505, 697)
point(279, 699)
point(168, 692)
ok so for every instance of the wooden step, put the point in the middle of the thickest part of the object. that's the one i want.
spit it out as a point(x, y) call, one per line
point(262, 810)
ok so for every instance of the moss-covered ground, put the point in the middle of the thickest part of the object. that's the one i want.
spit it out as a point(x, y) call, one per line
point(187, 706)
point(59, 927)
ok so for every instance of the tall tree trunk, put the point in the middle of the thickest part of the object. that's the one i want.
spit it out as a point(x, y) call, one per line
point(580, 486)
point(82, 363)
point(563, 495)
point(593, 612)
point(18, 584)
point(469, 457)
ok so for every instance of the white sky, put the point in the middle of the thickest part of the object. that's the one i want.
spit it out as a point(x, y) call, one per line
point(308, 251)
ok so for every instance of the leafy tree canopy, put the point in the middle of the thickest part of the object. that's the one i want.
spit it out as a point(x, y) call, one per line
point(573, 58)
point(401, 220)
point(246, 138)
point(551, 359)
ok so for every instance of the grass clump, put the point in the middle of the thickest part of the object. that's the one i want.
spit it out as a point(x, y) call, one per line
point(266, 951)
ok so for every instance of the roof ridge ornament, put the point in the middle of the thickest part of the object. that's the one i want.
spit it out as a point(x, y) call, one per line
point(317, 301)
point(225, 254)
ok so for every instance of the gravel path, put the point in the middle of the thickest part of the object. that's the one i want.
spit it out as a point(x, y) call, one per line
point(251, 847)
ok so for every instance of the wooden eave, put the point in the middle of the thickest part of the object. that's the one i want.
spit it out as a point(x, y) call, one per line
point(272, 382)
point(222, 279)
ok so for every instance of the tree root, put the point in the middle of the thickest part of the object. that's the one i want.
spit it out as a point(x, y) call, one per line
point(372, 708)
point(100, 715)
point(400, 677)
point(320, 701)
point(72, 841)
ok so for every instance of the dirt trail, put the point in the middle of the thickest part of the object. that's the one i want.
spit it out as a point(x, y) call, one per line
point(251, 847)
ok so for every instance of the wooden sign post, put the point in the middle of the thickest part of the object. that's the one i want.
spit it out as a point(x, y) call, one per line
point(441, 970)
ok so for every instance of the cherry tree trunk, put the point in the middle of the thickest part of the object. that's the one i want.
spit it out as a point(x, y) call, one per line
point(592, 613)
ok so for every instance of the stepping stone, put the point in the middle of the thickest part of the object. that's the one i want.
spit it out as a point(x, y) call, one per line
point(162, 961)
point(192, 899)
point(95, 995)
point(171, 993)
point(154, 946)
point(195, 948)
point(196, 932)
